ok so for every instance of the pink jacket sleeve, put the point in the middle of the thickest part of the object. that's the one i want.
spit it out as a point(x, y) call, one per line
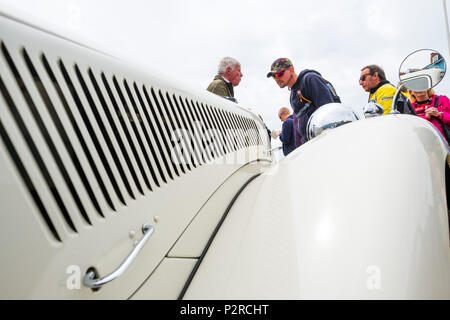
point(444, 107)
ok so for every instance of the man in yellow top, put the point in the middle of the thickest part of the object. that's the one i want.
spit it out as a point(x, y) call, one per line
point(373, 80)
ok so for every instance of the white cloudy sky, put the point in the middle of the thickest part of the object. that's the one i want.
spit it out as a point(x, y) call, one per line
point(186, 39)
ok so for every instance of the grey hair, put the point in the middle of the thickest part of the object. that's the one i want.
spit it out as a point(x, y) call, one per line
point(225, 63)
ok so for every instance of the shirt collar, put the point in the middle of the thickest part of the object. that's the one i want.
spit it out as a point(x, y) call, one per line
point(225, 80)
point(382, 83)
point(424, 102)
point(222, 78)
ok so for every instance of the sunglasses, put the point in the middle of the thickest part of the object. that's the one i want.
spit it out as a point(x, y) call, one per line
point(363, 77)
point(278, 74)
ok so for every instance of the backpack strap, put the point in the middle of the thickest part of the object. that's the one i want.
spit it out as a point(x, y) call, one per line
point(328, 84)
point(303, 109)
point(300, 95)
point(436, 101)
point(332, 90)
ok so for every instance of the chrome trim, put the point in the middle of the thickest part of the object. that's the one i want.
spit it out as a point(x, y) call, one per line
point(89, 279)
point(273, 149)
point(329, 116)
point(373, 109)
point(394, 100)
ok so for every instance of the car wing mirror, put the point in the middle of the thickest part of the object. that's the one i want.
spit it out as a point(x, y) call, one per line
point(423, 69)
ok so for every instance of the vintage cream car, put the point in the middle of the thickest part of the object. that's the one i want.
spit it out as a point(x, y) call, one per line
point(117, 183)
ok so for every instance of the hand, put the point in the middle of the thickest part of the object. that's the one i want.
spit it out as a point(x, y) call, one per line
point(432, 112)
point(275, 133)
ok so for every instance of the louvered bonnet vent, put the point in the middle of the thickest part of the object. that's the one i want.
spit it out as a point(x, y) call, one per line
point(87, 138)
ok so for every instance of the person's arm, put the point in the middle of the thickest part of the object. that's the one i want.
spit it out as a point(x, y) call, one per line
point(423, 116)
point(385, 96)
point(286, 132)
point(275, 133)
point(444, 107)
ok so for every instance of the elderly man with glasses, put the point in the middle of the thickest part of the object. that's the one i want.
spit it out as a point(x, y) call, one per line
point(228, 76)
point(309, 91)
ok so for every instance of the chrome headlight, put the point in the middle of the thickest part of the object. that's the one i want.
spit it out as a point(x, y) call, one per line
point(329, 116)
point(373, 109)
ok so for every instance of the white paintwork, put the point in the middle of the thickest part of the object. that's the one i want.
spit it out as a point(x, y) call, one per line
point(167, 281)
point(193, 240)
point(357, 213)
point(29, 251)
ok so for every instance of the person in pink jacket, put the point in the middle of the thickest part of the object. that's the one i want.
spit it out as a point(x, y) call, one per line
point(424, 103)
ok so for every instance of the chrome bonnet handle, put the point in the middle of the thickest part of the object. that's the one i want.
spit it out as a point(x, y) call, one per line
point(89, 279)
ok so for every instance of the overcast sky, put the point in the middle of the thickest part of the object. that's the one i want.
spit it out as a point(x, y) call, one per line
point(186, 39)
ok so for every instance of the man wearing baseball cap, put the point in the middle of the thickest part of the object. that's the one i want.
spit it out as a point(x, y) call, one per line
point(309, 91)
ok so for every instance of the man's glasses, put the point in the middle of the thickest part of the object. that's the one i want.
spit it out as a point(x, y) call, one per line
point(278, 74)
point(363, 77)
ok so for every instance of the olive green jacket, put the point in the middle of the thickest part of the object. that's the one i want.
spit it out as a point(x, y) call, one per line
point(220, 87)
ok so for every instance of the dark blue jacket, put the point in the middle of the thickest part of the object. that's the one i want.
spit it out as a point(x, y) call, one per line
point(316, 92)
point(287, 135)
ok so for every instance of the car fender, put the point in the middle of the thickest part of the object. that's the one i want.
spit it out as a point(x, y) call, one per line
point(359, 212)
